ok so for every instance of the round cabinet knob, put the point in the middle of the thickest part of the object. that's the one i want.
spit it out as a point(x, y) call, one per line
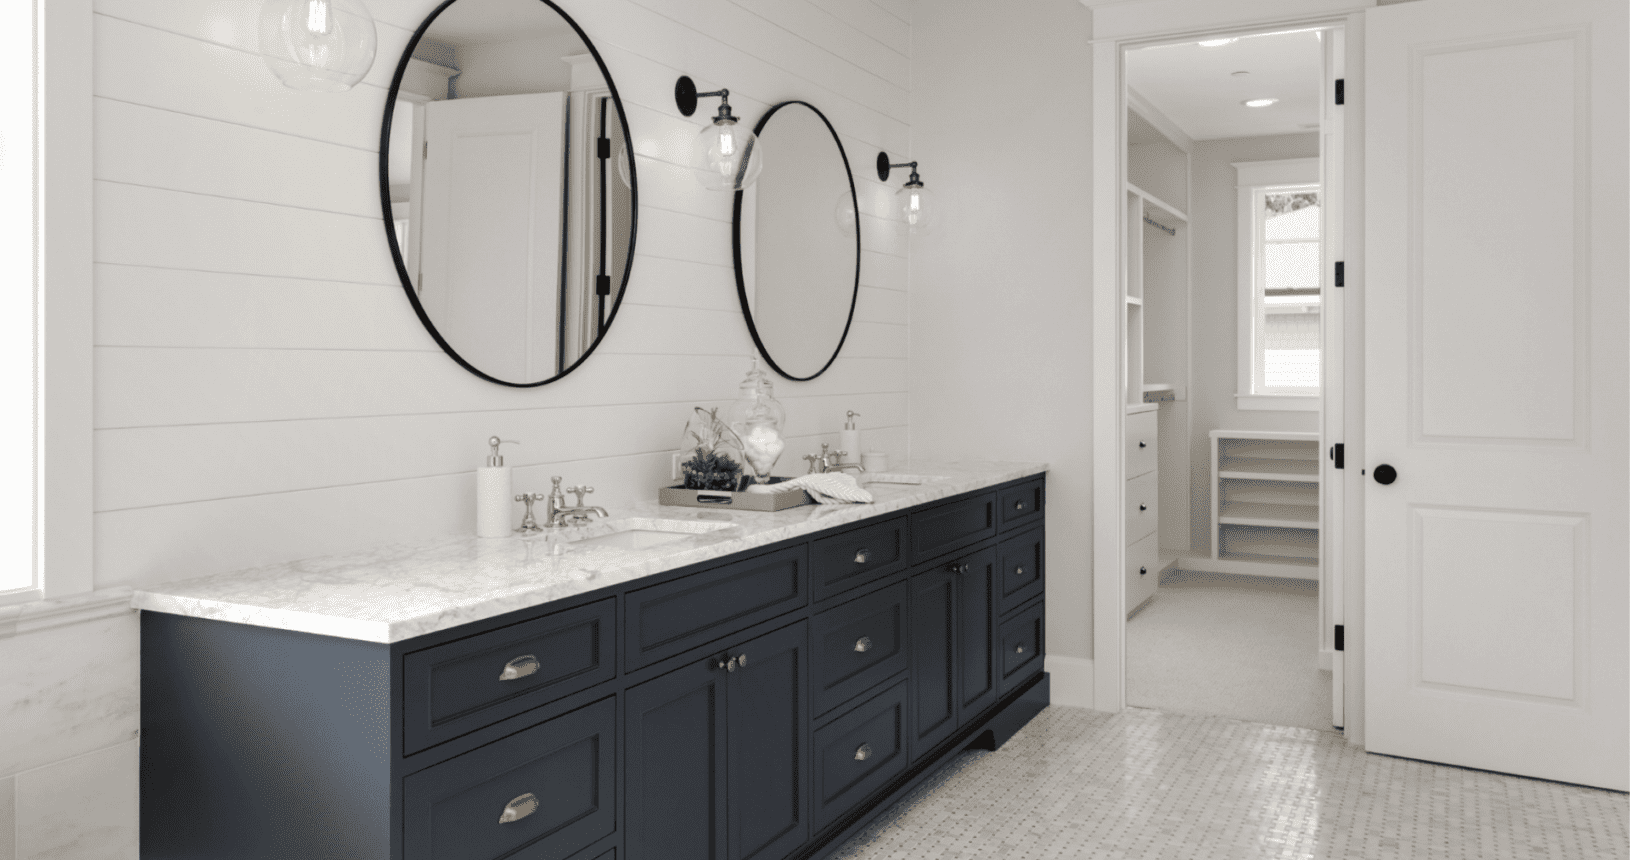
point(1018, 571)
point(1019, 649)
point(1143, 444)
point(1142, 571)
point(1018, 506)
point(1142, 508)
point(860, 557)
point(520, 667)
point(962, 569)
point(863, 644)
point(741, 661)
point(1385, 474)
point(519, 808)
point(730, 665)
point(863, 752)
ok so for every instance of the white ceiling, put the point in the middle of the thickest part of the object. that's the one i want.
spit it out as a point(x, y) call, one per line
point(481, 21)
point(1197, 88)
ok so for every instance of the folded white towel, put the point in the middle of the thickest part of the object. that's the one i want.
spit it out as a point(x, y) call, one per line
point(832, 488)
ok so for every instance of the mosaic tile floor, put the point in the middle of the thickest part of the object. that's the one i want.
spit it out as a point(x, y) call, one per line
point(1144, 785)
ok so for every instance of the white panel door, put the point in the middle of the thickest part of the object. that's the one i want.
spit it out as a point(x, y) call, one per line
point(1497, 386)
point(491, 242)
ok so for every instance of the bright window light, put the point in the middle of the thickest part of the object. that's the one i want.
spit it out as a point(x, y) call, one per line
point(1259, 102)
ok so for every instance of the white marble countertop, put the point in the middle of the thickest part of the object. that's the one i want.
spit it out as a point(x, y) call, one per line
point(405, 590)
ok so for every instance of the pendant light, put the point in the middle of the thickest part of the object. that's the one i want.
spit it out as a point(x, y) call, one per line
point(726, 156)
point(321, 45)
point(913, 203)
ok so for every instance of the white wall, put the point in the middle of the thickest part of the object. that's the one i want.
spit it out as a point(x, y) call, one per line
point(1214, 217)
point(1000, 290)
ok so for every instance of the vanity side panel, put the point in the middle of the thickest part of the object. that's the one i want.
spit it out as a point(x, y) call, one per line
point(260, 743)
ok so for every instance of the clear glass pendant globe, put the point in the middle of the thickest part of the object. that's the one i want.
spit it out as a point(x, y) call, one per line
point(322, 45)
point(916, 208)
point(727, 157)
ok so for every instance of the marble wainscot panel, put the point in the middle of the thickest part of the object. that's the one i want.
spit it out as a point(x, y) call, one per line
point(406, 590)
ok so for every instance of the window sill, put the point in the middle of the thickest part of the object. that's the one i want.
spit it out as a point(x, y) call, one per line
point(20, 595)
point(1278, 402)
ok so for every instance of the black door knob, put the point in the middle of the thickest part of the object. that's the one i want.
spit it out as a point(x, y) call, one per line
point(1385, 474)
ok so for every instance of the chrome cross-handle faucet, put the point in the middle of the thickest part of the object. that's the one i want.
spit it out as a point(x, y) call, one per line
point(824, 462)
point(560, 516)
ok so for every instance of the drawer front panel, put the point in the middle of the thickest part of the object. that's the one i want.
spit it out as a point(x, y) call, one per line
point(859, 644)
point(858, 752)
point(1023, 638)
point(1142, 506)
point(557, 780)
point(1141, 437)
point(942, 528)
point(841, 562)
point(461, 686)
point(1022, 505)
point(1022, 559)
point(665, 619)
point(1142, 571)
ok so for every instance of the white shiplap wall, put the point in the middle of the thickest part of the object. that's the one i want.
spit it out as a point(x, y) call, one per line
point(263, 390)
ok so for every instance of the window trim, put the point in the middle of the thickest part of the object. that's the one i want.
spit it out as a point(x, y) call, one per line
point(1252, 177)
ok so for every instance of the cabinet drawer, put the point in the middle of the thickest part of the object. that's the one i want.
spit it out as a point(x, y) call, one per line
point(858, 752)
point(1022, 505)
point(943, 528)
point(1142, 571)
point(1021, 561)
point(461, 686)
point(857, 645)
point(1142, 435)
point(1142, 506)
point(841, 562)
point(557, 779)
point(1021, 649)
point(663, 620)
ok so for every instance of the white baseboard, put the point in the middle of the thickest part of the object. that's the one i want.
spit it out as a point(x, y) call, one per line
point(1071, 682)
point(1327, 658)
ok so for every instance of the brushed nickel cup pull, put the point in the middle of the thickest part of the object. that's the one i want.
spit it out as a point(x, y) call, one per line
point(520, 667)
point(864, 752)
point(860, 557)
point(863, 644)
point(519, 808)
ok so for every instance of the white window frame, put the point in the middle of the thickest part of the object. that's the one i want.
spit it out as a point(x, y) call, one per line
point(63, 524)
point(1253, 177)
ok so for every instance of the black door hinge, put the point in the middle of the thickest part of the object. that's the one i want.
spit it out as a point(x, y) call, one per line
point(602, 285)
point(1339, 455)
point(605, 147)
point(1341, 91)
point(1341, 637)
point(1341, 273)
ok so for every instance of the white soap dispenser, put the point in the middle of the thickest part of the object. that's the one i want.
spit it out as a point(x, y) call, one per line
point(849, 441)
point(493, 505)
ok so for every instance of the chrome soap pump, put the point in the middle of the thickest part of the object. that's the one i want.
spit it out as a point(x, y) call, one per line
point(493, 511)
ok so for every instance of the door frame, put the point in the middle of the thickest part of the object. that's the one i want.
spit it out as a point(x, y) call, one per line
point(1124, 27)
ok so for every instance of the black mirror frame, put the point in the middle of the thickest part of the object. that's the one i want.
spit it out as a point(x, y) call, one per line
point(390, 220)
point(735, 241)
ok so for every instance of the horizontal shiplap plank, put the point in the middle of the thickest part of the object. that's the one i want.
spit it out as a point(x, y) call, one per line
point(871, 19)
point(882, 270)
point(881, 306)
point(832, 34)
point(682, 284)
point(900, 9)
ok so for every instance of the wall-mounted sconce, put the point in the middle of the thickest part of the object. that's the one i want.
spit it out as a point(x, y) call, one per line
point(726, 156)
point(321, 45)
point(913, 202)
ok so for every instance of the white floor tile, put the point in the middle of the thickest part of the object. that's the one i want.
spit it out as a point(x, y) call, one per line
point(84, 808)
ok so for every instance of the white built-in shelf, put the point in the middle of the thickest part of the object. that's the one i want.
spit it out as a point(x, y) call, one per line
point(1265, 498)
point(1267, 469)
point(1158, 203)
point(1277, 516)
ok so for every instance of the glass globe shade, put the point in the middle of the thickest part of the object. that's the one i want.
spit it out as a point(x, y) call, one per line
point(727, 156)
point(321, 45)
point(916, 207)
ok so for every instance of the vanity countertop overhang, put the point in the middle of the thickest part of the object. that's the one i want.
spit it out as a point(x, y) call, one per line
point(405, 590)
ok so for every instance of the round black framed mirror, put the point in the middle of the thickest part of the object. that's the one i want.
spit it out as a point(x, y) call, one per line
point(797, 243)
point(508, 186)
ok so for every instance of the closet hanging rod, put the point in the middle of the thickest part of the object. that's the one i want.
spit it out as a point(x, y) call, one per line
point(1170, 231)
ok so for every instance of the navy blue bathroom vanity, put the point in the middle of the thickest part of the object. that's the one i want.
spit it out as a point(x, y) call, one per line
point(761, 705)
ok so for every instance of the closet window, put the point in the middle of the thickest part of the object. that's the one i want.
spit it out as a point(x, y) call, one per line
point(1280, 225)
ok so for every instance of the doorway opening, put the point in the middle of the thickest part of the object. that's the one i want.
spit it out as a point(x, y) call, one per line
point(1232, 358)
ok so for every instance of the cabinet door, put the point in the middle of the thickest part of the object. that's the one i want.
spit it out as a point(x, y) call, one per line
point(933, 659)
point(769, 756)
point(675, 739)
point(978, 582)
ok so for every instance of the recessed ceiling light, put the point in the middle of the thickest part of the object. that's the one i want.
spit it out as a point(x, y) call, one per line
point(1217, 43)
point(1259, 102)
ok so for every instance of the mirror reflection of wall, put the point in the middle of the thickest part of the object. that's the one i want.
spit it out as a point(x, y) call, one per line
point(510, 186)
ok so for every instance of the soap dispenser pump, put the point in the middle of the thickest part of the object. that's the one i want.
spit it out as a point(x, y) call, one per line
point(849, 441)
point(492, 494)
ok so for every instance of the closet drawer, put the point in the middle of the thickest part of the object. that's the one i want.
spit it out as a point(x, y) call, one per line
point(556, 780)
point(943, 528)
point(858, 645)
point(1021, 646)
point(1142, 572)
point(841, 562)
point(1142, 432)
point(1142, 506)
point(461, 686)
point(663, 620)
point(1020, 566)
point(1021, 505)
point(858, 752)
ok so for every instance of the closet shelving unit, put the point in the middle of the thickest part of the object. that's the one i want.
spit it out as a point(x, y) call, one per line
point(1265, 499)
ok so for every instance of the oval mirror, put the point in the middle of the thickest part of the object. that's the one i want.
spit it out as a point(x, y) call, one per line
point(797, 243)
point(508, 187)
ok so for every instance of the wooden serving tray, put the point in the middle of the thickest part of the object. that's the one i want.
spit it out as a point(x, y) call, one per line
point(736, 501)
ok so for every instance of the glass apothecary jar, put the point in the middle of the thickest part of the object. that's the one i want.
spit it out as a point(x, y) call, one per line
point(756, 417)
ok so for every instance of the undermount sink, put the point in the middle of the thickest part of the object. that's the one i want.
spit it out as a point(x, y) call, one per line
point(897, 478)
point(638, 533)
